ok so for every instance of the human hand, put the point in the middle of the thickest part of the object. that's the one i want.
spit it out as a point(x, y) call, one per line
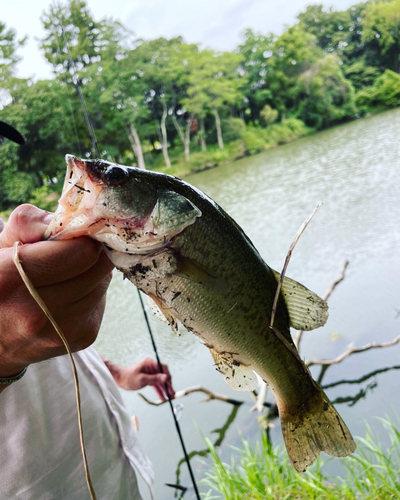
point(142, 374)
point(71, 276)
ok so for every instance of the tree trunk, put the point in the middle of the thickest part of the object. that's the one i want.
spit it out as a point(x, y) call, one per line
point(164, 136)
point(185, 138)
point(202, 134)
point(396, 60)
point(136, 145)
point(219, 131)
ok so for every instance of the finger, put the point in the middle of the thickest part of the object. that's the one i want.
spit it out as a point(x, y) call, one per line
point(26, 224)
point(165, 370)
point(51, 262)
point(170, 389)
point(80, 322)
point(160, 393)
point(75, 289)
point(168, 381)
point(152, 379)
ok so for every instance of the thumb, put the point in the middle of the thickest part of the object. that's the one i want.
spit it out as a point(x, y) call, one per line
point(26, 224)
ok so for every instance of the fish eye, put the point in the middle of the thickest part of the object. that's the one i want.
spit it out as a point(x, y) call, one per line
point(116, 175)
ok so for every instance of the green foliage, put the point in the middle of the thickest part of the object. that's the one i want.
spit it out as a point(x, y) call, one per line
point(384, 93)
point(264, 472)
point(45, 197)
point(329, 26)
point(268, 115)
point(382, 23)
point(326, 96)
point(8, 52)
point(142, 94)
point(286, 131)
point(233, 129)
point(257, 139)
point(360, 74)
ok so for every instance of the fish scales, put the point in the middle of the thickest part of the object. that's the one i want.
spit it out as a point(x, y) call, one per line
point(200, 269)
point(214, 315)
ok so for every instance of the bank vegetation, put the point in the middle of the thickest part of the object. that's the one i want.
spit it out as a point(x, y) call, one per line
point(176, 107)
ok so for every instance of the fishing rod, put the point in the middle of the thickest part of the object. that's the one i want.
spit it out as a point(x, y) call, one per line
point(76, 82)
point(95, 149)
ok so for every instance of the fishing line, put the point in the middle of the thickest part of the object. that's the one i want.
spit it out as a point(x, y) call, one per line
point(178, 429)
point(78, 142)
point(76, 83)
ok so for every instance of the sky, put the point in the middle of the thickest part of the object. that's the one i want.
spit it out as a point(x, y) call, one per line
point(215, 24)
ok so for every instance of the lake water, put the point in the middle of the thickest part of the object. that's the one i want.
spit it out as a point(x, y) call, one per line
point(354, 170)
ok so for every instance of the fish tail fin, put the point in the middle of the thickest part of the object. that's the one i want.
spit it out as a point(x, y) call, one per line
point(316, 427)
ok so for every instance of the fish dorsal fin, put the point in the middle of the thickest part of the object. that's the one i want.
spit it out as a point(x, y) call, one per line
point(238, 376)
point(306, 310)
point(172, 213)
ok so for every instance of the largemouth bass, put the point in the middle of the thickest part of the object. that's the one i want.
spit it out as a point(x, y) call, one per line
point(201, 270)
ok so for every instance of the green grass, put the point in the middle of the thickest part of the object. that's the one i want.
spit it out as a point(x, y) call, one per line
point(264, 472)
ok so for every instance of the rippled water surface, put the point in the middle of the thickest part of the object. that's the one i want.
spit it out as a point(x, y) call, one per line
point(354, 170)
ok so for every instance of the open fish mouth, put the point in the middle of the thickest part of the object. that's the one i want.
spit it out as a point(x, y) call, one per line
point(74, 214)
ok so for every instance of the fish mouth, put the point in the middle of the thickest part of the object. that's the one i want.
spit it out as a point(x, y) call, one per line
point(74, 215)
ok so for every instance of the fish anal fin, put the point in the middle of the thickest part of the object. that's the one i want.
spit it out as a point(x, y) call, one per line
point(238, 376)
point(194, 271)
point(306, 309)
point(315, 427)
point(163, 313)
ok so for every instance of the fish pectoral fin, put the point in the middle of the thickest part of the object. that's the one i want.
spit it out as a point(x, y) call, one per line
point(306, 310)
point(163, 313)
point(238, 376)
point(193, 271)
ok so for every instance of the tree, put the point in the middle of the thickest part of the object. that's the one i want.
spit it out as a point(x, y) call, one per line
point(161, 65)
point(184, 61)
point(256, 50)
point(49, 135)
point(9, 46)
point(88, 40)
point(294, 53)
point(326, 97)
point(274, 64)
point(341, 32)
point(214, 82)
point(384, 92)
point(382, 23)
point(120, 91)
point(78, 47)
point(329, 26)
